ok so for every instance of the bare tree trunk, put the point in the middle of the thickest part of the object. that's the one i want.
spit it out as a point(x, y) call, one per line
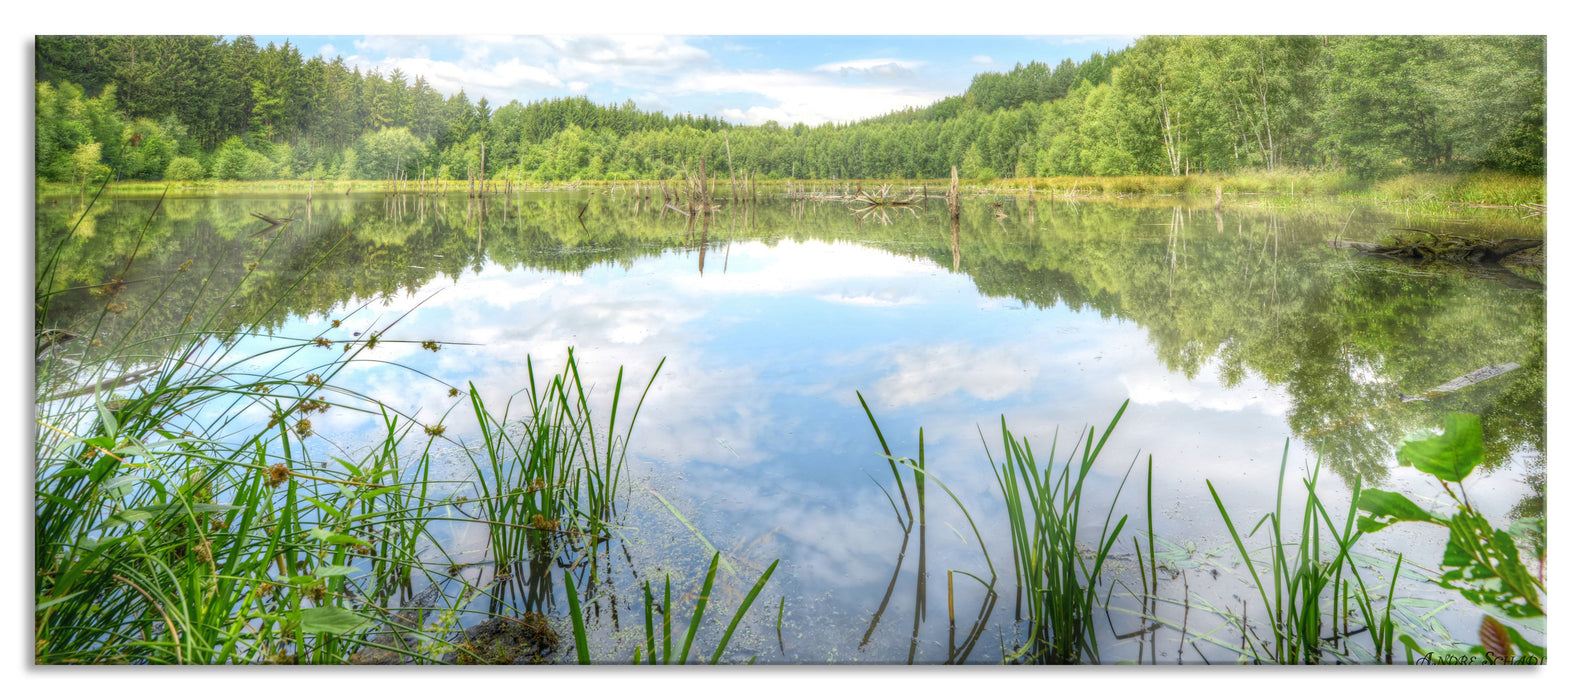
point(953, 196)
point(728, 164)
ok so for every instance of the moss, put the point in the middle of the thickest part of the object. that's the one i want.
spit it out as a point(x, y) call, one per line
point(506, 641)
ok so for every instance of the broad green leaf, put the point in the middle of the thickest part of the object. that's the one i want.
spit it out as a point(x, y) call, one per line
point(329, 570)
point(1450, 456)
point(1420, 434)
point(1484, 565)
point(1385, 508)
point(330, 620)
point(1524, 646)
point(346, 539)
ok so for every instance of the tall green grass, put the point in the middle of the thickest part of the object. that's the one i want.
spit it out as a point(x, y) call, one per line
point(195, 518)
point(1052, 571)
point(1307, 580)
point(662, 646)
point(549, 476)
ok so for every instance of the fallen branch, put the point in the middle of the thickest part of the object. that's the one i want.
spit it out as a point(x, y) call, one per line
point(274, 220)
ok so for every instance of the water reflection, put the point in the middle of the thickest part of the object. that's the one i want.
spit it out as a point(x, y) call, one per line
point(1228, 330)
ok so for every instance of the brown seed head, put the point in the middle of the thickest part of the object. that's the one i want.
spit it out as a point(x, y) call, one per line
point(278, 474)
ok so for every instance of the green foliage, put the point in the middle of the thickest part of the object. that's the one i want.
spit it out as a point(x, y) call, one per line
point(1304, 580)
point(1484, 564)
point(1060, 586)
point(388, 152)
point(1452, 455)
point(1480, 561)
point(184, 168)
point(1383, 508)
point(659, 645)
point(173, 525)
point(235, 161)
point(1373, 107)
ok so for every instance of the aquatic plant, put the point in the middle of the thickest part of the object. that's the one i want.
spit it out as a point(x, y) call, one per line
point(1481, 562)
point(660, 645)
point(1305, 580)
point(1053, 573)
point(192, 518)
point(544, 477)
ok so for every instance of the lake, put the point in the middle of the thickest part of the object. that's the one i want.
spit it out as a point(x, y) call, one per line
point(1235, 336)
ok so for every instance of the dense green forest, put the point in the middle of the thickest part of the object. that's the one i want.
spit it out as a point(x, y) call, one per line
point(201, 107)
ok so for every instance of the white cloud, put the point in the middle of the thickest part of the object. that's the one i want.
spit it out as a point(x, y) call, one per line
point(983, 60)
point(872, 67)
point(654, 67)
point(1154, 386)
point(505, 67)
point(931, 373)
point(808, 97)
point(885, 300)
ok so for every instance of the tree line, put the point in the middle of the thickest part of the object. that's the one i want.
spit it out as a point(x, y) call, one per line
point(197, 107)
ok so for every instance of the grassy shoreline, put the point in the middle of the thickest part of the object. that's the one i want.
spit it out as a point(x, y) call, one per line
point(1484, 189)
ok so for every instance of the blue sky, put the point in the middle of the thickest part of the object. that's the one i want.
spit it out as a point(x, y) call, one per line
point(745, 79)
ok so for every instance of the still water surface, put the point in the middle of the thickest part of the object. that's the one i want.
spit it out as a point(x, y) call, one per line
point(1229, 334)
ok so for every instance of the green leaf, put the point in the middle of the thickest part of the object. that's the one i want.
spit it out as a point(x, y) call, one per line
point(1526, 647)
point(1450, 456)
point(371, 495)
point(111, 427)
point(1385, 508)
point(56, 601)
point(135, 515)
point(332, 510)
point(328, 537)
point(120, 481)
point(1484, 565)
point(331, 621)
point(329, 570)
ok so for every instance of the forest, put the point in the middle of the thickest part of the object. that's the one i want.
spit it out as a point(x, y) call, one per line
point(189, 108)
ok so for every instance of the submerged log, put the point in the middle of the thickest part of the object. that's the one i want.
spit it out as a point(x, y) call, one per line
point(272, 219)
point(1441, 247)
point(1462, 382)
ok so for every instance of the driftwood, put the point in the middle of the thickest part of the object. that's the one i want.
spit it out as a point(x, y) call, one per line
point(1440, 246)
point(1462, 381)
point(883, 198)
point(272, 219)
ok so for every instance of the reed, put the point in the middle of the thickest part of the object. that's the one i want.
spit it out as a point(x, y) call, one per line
point(195, 518)
point(549, 478)
point(660, 644)
point(1304, 580)
point(1052, 572)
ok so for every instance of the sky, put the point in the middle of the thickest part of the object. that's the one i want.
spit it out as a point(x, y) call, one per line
point(743, 79)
